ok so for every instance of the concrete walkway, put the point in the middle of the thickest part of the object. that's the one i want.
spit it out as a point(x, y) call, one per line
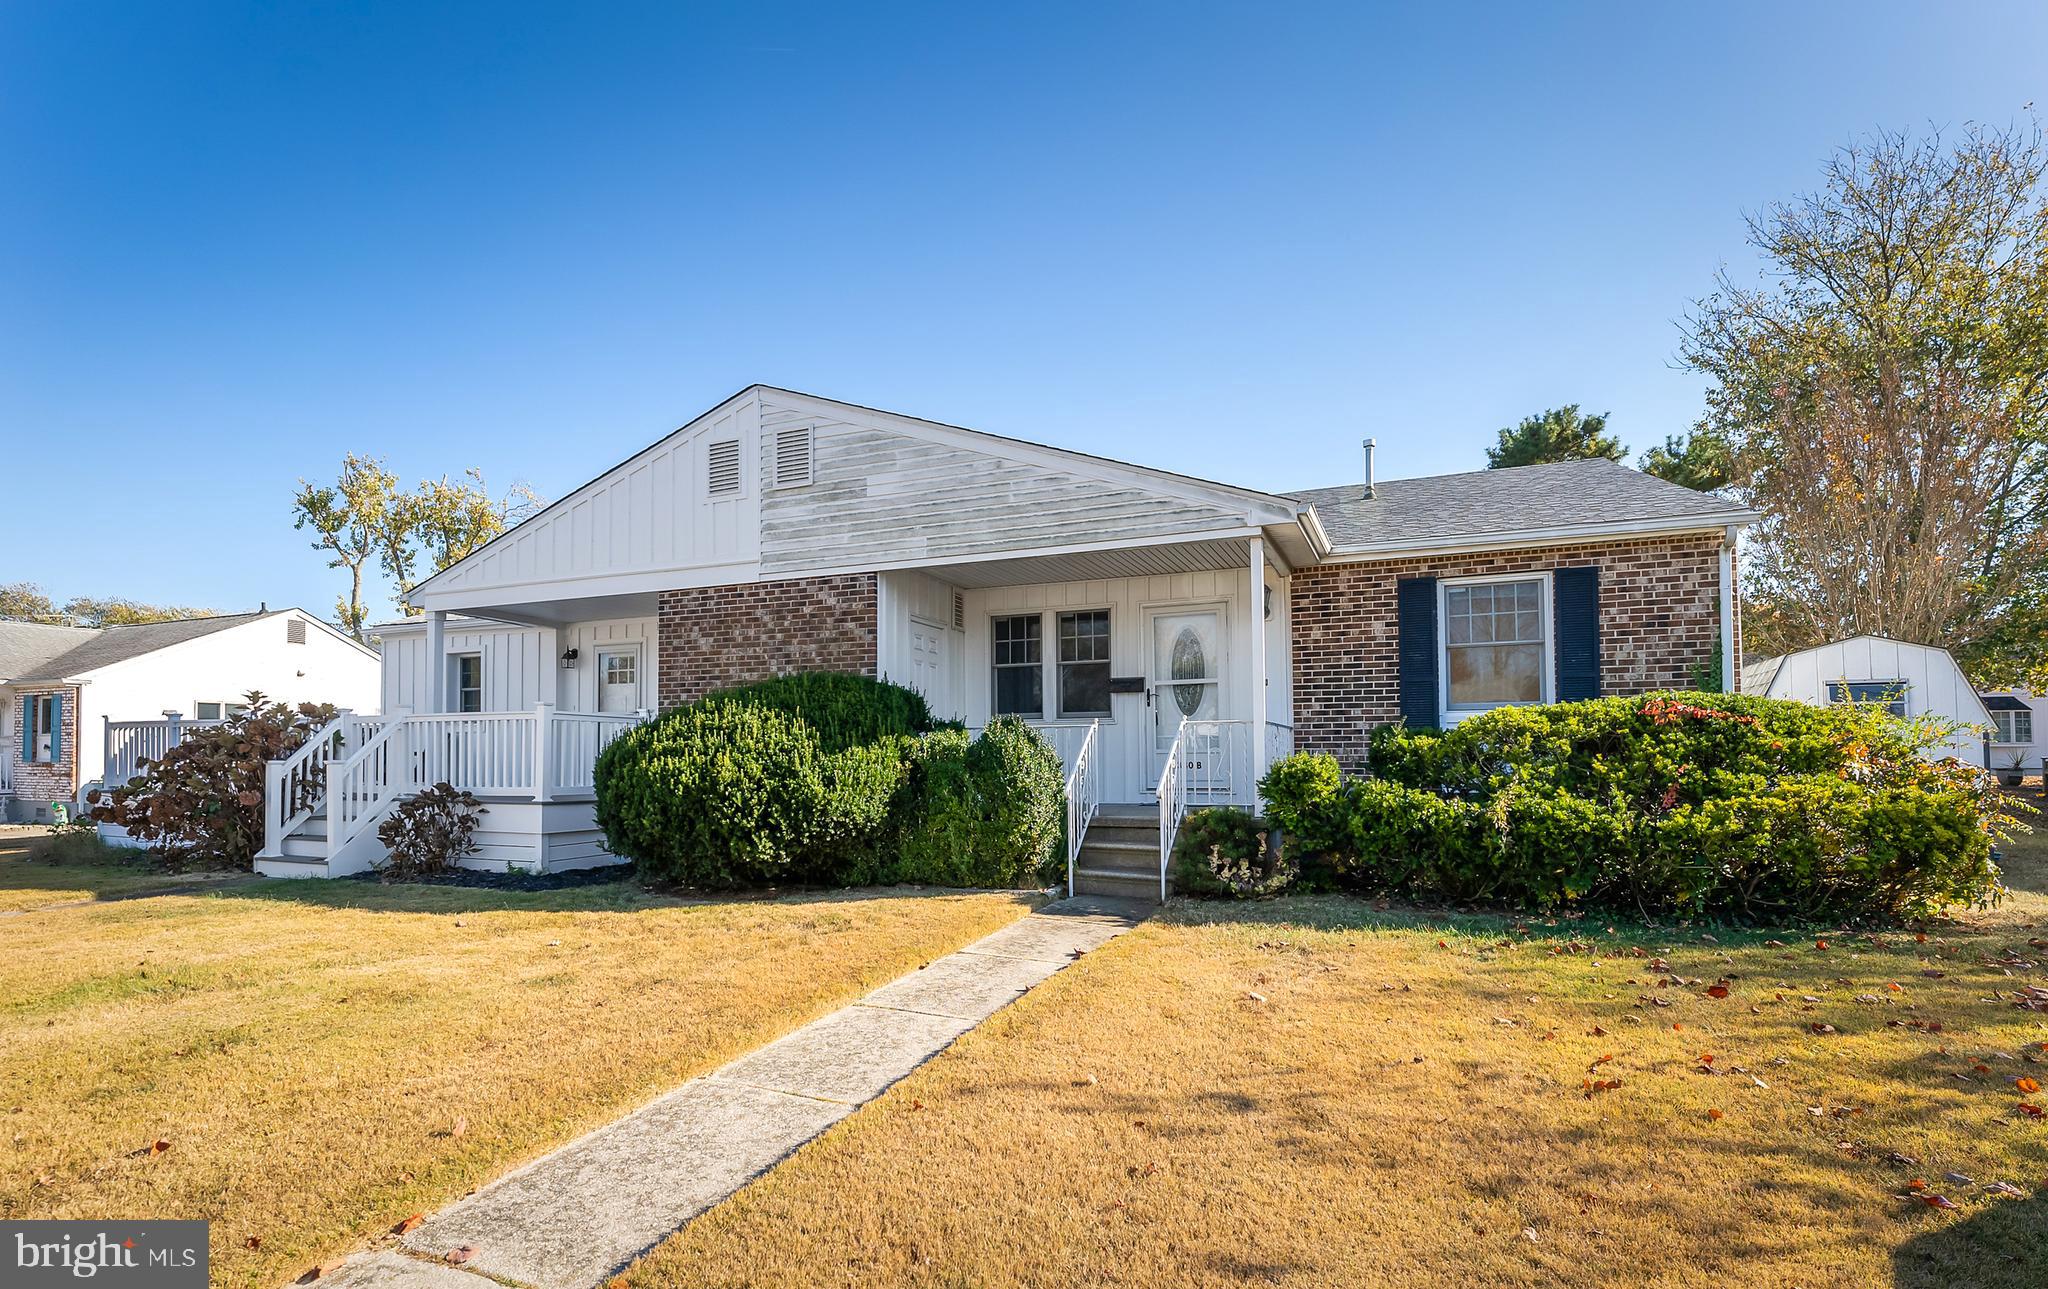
point(576, 1217)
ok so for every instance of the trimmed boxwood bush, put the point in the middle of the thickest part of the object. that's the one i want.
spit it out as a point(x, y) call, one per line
point(1666, 804)
point(830, 780)
point(1225, 852)
point(990, 812)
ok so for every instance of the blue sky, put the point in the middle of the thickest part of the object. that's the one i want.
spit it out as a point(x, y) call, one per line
point(237, 241)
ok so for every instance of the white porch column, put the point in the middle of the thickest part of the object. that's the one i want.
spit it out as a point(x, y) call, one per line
point(543, 751)
point(550, 687)
point(435, 694)
point(1258, 619)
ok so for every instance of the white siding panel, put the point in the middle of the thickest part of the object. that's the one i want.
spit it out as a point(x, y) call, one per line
point(883, 498)
point(1935, 685)
point(515, 658)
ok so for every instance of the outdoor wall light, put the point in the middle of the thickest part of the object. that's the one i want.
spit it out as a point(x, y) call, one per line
point(568, 660)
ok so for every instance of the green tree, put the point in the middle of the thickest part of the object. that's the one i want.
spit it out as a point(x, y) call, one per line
point(443, 520)
point(1559, 434)
point(1882, 393)
point(1700, 460)
point(27, 602)
point(118, 611)
point(356, 520)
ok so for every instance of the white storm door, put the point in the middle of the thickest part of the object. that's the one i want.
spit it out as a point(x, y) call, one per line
point(1187, 675)
point(618, 680)
point(928, 666)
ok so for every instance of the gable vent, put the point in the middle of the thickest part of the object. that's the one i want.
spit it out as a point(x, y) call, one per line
point(722, 470)
point(793, 457)
point(295, 631)
point(959, 611)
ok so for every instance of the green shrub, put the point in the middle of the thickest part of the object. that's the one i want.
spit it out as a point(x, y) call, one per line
point(742, 789)
point(1667, 804)
point(991, 812)
point(843, 711)
point(715, 794)
point(1226, 852)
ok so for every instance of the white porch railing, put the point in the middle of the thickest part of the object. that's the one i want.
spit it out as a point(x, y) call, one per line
point(1084, 794)
point(129, 743)
point(355, 775)
point(1210, 764)
point(1279, 741)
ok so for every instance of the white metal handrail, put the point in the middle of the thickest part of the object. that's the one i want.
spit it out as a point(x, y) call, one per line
point(1084, 796)
point(1171, 804)
point(1279, 741)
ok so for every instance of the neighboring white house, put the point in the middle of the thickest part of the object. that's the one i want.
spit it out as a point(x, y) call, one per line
point(72, 698)
point(1170, 635)
point(1908, 679)
point(2017, 738)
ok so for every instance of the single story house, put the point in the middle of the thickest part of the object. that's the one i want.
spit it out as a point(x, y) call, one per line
point(79, 705)
point(1908, 679)
point(1171, 635)
point(2015, 743)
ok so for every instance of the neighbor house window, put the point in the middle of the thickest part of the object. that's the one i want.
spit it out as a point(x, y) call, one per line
point(1084, 663)
point(1019, 665)
point(45, 741)
point(2014, 726)
point(469, 682)
point(1496, 644)
point(207, 711)
point(1888, 694)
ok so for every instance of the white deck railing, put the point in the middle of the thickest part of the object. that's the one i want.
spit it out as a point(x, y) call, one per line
point(1084, 794)
point(128, 744)
point(1279, 741)
point(1210, 764)
point(356, 773)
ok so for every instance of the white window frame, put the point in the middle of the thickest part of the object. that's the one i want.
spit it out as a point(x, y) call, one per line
point(1049, 663)
point(2004, 722)
point(455, 680)
point(1046, 648)
point(1052, 698)
point(40, 731)
point(1900, 684)
point(1545, 598)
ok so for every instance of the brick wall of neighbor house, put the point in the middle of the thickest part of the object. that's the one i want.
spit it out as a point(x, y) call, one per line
point(714, 636)
point(39, 783)
point(1659, 618)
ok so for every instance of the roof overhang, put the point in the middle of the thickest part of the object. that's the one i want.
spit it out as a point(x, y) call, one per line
point(1554, 535)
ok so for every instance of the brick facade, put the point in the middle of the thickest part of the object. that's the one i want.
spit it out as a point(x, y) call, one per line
point(38, 783)
point(1659, 619)
point(714, 636)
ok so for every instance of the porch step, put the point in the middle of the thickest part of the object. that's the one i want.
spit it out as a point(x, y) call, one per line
point(290, 866)
point(1117, 883)
point(307, 849)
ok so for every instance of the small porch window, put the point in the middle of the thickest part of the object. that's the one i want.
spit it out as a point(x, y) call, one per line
point(1019, 665)
point(1084, 663)
point(468, 671)
point(1888, 694)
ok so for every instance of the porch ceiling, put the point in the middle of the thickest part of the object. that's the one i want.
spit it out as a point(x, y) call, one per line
point(1099, 566)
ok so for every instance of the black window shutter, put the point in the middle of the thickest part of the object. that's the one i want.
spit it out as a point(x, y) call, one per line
point(1578, 633)
point(1415, 608)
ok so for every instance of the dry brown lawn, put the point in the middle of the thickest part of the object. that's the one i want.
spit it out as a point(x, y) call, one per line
point(1316, 1092)
point(321, 1060)
point(28, 880)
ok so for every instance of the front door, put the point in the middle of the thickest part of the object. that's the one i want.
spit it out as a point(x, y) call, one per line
point(928, 666)
point(618, 680)
point(1187, 674)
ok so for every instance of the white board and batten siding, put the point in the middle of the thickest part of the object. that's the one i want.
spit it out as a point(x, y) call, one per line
point(519, 662)
point(1933, 684)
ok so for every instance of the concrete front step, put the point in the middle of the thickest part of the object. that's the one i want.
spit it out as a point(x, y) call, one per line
point(1117, 883)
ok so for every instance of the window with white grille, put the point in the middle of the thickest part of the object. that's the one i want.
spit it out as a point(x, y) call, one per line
point(793, 457)
point(722, 468)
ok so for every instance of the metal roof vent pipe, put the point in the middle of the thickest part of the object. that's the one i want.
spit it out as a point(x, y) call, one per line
point(1370, 444)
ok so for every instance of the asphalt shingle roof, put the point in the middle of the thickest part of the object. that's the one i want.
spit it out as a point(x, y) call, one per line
point(1482, 503)
point(26, 646)
point(92, 648)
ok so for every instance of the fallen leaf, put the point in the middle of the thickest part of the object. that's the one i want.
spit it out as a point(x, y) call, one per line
point(1936, 1201)
point(2027, 1085)
point(2031, 1111)
point(461, 1126)
point(1717, 991)
point(461, 1255)
point(408, 1224)
point(159, 1146)
point(1916, 1184)
point(1713, 1114)
point(253, 1242)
